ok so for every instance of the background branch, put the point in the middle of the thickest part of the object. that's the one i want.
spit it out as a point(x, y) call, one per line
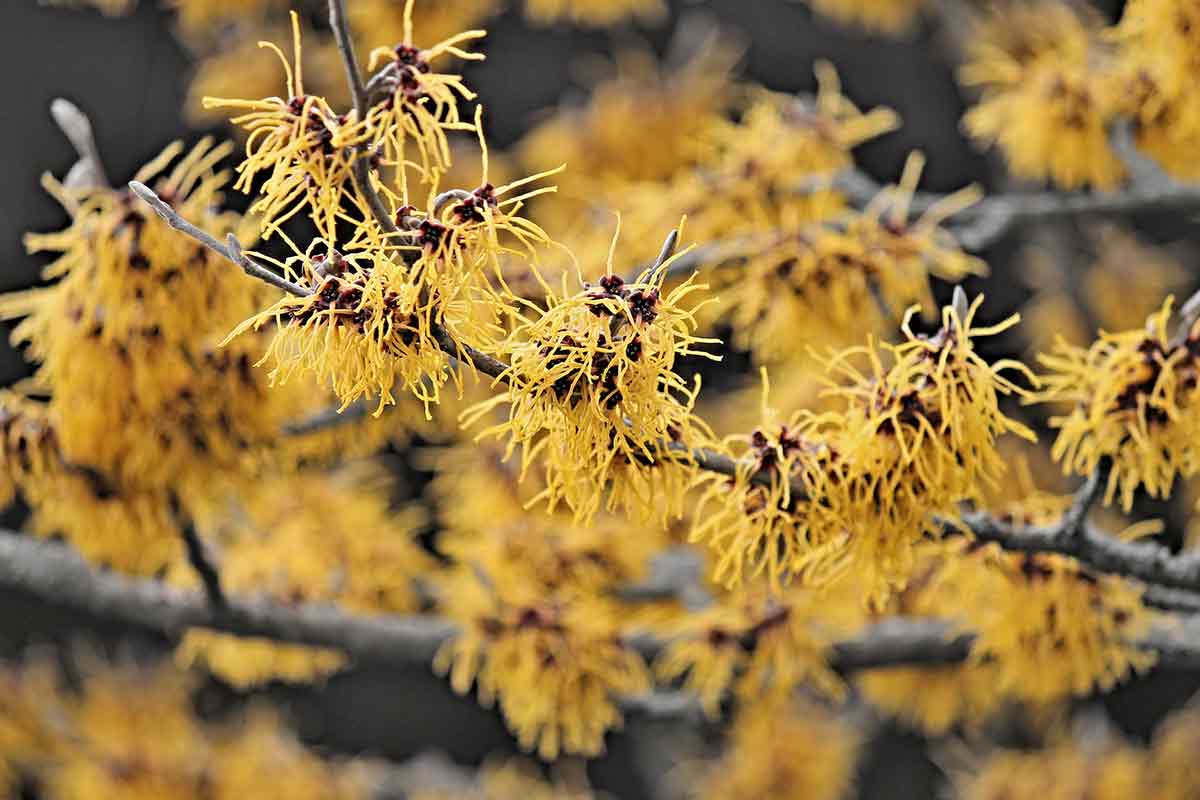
point(58, 576)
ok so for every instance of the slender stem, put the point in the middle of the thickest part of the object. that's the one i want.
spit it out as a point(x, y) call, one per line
point(345, 44)
point(232, 250)
point(76, 126)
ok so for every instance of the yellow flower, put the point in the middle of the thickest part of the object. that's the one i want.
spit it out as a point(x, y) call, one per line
point(936, 698)
point(363, 330)
point(593, 392)
point(369, 323)
point(554, 663)
point(298, 538)
point(853, 490)
point(1060, 772)
point(740, 181)
point(1046, 101)
point(765, 528)
point(786, 750)
point(835, 280)
point(919, 436)
point(303, 146)
point(1054, 629)
point(1129, 393)
point(412, 103)
point(671, 107)
point(1157, 41)
point(126, 731)
point(756, 642)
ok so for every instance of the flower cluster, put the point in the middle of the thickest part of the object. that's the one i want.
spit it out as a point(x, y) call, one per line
point(758, 643)
point(130, 732)
point(834, 279)
point(593, 392)
point(854, 490)
point(626, 548)
point(1109, 768)
point(299, 539)
point(555, 663)
point(1160, 59)
point(1129, 398)
point(161, 411)
point(1054, 81)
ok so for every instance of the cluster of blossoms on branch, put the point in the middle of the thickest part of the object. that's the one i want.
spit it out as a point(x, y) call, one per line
point(400, 296)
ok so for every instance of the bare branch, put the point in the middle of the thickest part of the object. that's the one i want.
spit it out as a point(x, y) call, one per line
point(198, 557)
point(1144, 561)
point(56, 575)
point(75, 125)
point(345, 44)
point(232, 250)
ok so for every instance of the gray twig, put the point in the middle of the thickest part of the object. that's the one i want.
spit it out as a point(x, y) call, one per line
point(232, 250)
point(345, 44)
point(75, 125)
point(1144, 561)
point(197, 555)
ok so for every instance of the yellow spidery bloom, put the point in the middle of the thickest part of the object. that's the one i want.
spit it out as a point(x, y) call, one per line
point(133, 264)
point(787, 750)
point(299, 538)
point(918, 437)
point(1045, 101)
point(835, 280)
point(762, 528)
point(1060, 772)
point(770, 167)
point(756, 642)
point(553, 662)
point(418, 105)
point(369, 323)
point(549, 551)
point(1157, 80)
point(935, 698)
point(305, 149)
point(141, 305)
point(1171, 762)
point(360, 332)
point(671, 107)
point(1053, 629)
point(122, 527)
point(743, 180)
point(467, 239)
point(593, 393)
point(914, 436)
point(594, 13)
point(1131, 395)
point(131, 732)
point(883, 16)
